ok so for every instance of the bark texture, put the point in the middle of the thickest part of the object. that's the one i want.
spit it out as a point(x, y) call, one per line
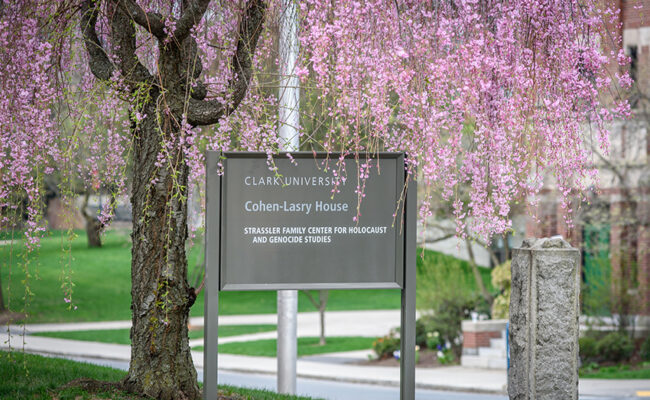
point(161, 363)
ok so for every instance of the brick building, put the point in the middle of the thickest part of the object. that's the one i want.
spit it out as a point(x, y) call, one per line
point(615, 223)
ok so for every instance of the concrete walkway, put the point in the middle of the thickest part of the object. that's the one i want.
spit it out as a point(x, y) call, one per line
point(333, 366)
point(373, 323)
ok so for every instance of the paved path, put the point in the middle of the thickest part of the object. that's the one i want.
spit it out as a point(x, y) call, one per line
point(456, 378)
point(337, 323)
point(334, 366)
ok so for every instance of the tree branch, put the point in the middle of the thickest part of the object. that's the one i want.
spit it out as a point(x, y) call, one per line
point(311, 298)
point(123, 41)
point(190, 18)
point(436, 240)
point(619, 174)
point(99, 63)
point(149, 21)
point(202, 112)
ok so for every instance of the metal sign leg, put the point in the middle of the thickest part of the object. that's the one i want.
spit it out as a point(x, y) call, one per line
point(212, 281)
point(407, 330)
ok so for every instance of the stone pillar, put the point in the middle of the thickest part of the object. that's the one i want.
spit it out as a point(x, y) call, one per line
point(544, 328)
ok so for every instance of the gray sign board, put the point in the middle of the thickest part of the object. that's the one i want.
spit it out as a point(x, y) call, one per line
point(290, 225)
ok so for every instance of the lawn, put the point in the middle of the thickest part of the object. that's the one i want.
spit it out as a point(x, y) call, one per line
point(26, 376)
point(102, 285)
point(121, 336)
point(641, 371)
point(307, 346)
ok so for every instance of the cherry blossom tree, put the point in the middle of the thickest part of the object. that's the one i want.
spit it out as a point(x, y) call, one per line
point(151, 84)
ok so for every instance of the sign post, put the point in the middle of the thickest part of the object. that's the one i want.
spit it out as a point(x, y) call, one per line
point(290, 224)
point(289, 120)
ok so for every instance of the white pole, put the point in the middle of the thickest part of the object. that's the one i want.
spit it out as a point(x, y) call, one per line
point(289, 141)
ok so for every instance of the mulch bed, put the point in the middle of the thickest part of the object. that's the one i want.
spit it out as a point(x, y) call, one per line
point(428, 359)
point(8, 317)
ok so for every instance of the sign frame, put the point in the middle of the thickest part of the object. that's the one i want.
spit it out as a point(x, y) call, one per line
point(405, 279)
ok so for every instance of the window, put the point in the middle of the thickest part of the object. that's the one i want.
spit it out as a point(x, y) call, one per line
point(633, 52)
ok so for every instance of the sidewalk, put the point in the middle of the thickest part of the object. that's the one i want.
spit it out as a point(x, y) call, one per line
point(372, 323)
point(333, 366)
point(451, 378)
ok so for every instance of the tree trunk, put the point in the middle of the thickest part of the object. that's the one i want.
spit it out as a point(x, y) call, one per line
point(320, 305)
point(161, 364)
point(2, 302)
point(477, 274)
point(322, 300)
point(93, 229)
point(93, 226)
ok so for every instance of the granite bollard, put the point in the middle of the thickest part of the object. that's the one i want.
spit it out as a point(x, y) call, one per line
point(544, 328)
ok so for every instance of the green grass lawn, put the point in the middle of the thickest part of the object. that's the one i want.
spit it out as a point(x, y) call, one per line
point(102, 282)
point(26, 376)
point(618, 372)
point(121, 336)
point(307, 346)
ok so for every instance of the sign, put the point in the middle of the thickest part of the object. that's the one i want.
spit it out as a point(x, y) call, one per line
point(292, 224)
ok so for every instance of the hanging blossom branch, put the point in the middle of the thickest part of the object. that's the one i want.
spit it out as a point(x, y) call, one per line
point(490, 98)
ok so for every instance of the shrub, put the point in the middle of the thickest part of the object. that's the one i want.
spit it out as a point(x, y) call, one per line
point(420, 333)
point(386, 345)
point(501, 277)
point(445, 298)
point(588, 348)
point(645, 349)
point(425, 337)
point(445, 320)
point(615, 347)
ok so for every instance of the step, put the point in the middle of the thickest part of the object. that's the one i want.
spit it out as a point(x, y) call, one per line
point(483, 362)
point(492, 352)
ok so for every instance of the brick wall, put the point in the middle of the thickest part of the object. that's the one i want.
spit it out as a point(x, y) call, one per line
point(474, 340)
point(635, 13)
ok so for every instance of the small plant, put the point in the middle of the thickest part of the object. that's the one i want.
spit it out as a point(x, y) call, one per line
point(589, 368)
point(645, 349)
point(397, 354)
point(433, 340)
point(445, 356)
point(588, 348)
point(615, 347)
point(385, 346)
